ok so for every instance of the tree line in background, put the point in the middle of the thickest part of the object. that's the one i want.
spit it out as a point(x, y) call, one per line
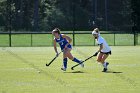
point(44, 15)
point(136, 15)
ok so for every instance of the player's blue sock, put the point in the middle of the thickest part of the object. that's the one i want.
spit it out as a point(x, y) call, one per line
point(65, 62)
point(76, 60)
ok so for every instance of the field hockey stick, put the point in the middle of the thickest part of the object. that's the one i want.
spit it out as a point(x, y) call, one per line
point(54, 59)
point(72, 68)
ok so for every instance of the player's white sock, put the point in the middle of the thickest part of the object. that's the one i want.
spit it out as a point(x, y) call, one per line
point(104, 65)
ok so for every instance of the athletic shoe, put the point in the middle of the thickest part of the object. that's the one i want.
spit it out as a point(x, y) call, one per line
point(105, 69)
point(82, 65)
point(64, 69)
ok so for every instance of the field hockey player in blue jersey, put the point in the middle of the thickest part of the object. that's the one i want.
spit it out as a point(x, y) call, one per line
point(64, 42)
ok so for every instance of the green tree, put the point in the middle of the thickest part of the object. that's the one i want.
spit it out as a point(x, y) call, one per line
point(44, 15)
point(136, 15)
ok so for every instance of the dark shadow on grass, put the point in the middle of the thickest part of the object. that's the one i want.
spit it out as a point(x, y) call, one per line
point(113, 72)
point(75, 72)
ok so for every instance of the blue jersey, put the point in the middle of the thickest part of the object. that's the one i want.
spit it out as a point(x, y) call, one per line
point(62, 42)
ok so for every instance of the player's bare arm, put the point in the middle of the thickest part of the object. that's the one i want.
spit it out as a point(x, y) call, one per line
point(55, 48)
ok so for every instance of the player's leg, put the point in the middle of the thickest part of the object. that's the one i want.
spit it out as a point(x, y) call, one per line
point(66, 54)
point(70, 56)
point(100, 57)
point(105, 64)
point(65, 60)
point(104, 57)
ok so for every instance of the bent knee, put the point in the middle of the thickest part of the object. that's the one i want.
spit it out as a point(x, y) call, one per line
point(100, 60)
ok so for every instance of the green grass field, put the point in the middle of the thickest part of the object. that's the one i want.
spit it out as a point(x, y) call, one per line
point(23, 40)
point(19, 68)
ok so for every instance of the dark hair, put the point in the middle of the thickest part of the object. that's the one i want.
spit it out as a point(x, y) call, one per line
point(56, 30)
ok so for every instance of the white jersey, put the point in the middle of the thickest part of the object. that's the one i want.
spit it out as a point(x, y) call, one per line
point(101, 40)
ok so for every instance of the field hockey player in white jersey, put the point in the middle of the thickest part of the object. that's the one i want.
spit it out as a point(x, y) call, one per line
point(104, 50)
